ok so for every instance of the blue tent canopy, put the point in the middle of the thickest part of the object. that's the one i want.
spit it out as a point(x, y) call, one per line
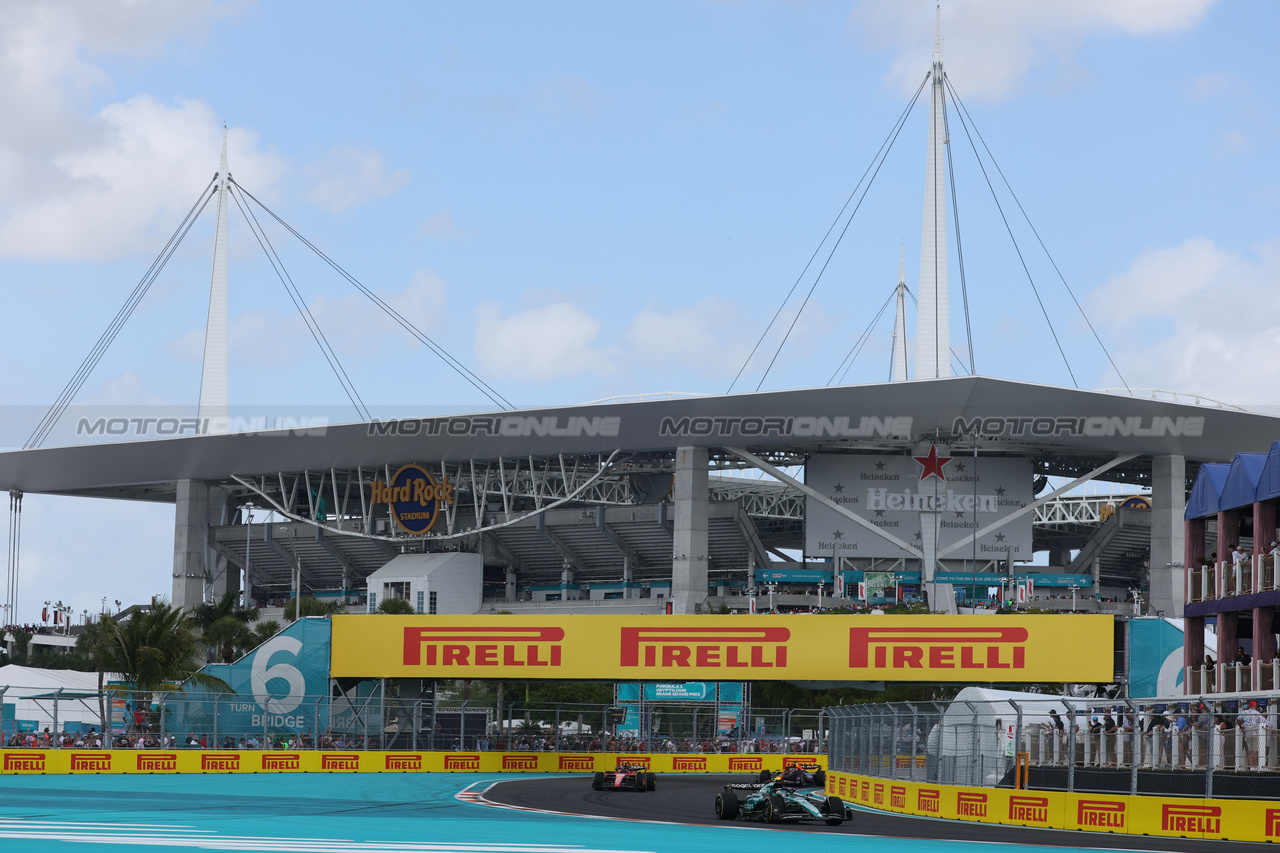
point(1206, 492)
point(1269, 483)
point(1241, 486)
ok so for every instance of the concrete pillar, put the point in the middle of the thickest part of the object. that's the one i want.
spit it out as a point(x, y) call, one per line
point(1228, 636)
point(190, 543)
point(511, 592)
point(628, 577)
point(1168, 506)
point(225, 574)
point(1264, 638)
point(1059, 557)
point(689, 539)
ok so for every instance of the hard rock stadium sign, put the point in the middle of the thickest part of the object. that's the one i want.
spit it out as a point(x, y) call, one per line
point(682, 648)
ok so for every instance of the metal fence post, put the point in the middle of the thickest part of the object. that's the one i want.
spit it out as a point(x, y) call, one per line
point(1017, 741)
point(215, 721)
point(974, 739)
point(1134, 751)
point(1071, 747)
point(1211, 757)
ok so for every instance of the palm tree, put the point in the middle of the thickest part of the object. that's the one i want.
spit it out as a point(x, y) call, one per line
point(95, 642)
point(398, 606)
point(224, 625)
point(315, 607)
point(157, 650)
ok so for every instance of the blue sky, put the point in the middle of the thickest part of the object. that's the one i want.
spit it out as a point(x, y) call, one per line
point(582, 200)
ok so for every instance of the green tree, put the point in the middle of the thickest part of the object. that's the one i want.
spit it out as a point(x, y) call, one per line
point(96, 643)
point(397, 606)
point(263, 631)
point(224, 625)
point(315, 607)
point(156, 650)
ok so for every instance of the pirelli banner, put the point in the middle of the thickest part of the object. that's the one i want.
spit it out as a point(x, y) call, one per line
point(725, 648)
point(1170, 817)
point(74, 762)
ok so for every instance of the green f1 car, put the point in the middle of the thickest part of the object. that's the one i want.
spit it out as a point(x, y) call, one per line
point(776, 802)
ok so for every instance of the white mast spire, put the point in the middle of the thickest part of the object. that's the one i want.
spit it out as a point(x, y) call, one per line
point(214, 396)
point(898, 359)
point(933, 326)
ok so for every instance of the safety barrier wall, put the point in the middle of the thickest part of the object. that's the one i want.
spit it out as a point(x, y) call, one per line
point(1172, 817)
point(82, 761)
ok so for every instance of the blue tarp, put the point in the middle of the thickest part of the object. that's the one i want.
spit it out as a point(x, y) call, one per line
point(1241, 486)
point(1206, 492)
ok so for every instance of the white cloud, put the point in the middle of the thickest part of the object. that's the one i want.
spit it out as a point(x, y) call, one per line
point(569, 95)
point(353, 325)
point(541, 343)
point(1172, 310)
point(562, 340)
point(348, 176)
point(130, 189)
point(990, 46)
point(440, 226)
point(80, 186)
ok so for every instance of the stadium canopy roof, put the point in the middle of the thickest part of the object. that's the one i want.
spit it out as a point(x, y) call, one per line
point(1065, 431)
point(1250, 477)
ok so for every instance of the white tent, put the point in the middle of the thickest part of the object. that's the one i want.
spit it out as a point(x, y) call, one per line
point(19, 683)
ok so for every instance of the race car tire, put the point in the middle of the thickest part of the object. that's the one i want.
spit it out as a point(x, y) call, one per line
point(650, 781)
point(597, 781)
point(642, 781)
point(727, 805)
point(820, 778)
point(835, 811)
point(764, 776)
point(773, 809)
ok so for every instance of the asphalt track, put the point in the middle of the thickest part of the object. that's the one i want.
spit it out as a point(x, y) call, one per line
point(689, 800)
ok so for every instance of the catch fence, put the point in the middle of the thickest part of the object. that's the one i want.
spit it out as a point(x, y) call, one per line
point(1204, 746)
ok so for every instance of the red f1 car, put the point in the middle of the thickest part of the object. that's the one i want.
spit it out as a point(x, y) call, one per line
point(627, 777)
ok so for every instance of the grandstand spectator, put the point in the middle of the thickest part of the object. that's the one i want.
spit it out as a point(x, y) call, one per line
point(1242, 657)
point(1255, 732)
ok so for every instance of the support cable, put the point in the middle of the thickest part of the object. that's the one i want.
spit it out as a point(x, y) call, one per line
point(13, 561)
point(87, 366)
point(1017, 248)
point(326, 349)
point(955, 215)
point(892, 139)
point(1032, 226)
point(474, 380)
point(887, 141)
point(846, 363)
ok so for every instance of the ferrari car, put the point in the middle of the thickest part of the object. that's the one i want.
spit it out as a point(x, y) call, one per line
point(626, 777)
point(798, 776)
point(778, 801)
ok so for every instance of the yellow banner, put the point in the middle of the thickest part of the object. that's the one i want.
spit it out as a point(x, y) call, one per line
point(80, 761)
point(725, 648)
point(1177, 817)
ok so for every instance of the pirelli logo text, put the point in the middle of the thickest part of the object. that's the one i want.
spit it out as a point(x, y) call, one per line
point(90, 762)
point(938, 648)
point(1033, 809)
point(1103, 814)
point(1203, 820)
point(462, 762)
point(929, 801)
point(1273, 823)
point(220, 761)
point(739, 764)
point(153, 762)
point(897, 797)
point(877, 794)
point(971, 805)
point(293, 761)
point(339, 761)
point(577, 762)
point(403, 762)
point(24, 762)
point(796, 761)
point(634, 761)
point(519, 762)
point(693, 763)
point(705, 648)
point(484, 646)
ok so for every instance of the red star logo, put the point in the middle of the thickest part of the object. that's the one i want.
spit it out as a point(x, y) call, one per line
point(933, 463)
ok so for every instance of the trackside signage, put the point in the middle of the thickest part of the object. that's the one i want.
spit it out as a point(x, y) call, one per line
point(722, 648)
